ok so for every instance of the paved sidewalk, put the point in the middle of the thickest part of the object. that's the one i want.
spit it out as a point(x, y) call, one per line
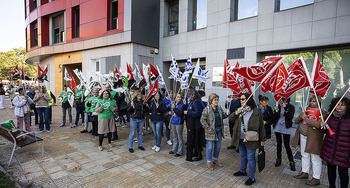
point(73, 160)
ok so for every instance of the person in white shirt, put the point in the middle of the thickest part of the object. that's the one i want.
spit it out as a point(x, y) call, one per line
point(22, 109)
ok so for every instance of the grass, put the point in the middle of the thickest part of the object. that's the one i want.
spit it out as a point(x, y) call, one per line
point(5, 181)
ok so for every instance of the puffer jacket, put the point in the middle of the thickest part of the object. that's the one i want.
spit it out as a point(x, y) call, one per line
point(20, 103)
point(336, 148)
point(140, 110)
point(208, 122)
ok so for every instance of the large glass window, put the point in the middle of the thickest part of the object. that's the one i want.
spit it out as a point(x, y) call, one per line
point(173, 19)
point(58, 29)
point(76, 22)
point(241, 9)
point(287, 4)
point(337, 66)
point(114, 14)
point(199, 14)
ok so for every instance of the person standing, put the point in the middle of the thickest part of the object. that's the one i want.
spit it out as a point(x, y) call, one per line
point(31, 94)
point(310, 138)
point(137, 111)
point(11, 92)
point(157, 110)
point(168, 102)
point(212, 122)
point(336, 148)
point(66, 107)
point(22, 110)
point(87, 113)
point(177, 125)
point(41, 101)
point(52, 99)
point(233, 106)
point(105, 108)
point(92, 102)
point(2, 96)
point(248, 118)
point(283, 116)
point(267, 114)
point(194, 126)
point(79, 105)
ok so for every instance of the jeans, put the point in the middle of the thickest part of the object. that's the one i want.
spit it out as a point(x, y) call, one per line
point(80, 111)
point(157, 127)
point(247, 156)
point(136, 125)
point(178, 139)
point(69, 114)
point(167, 127)
point(122, 119)
point(86, 124)
point(43, 114)
point(50, 114)
point(216, 145)
point(286, 138)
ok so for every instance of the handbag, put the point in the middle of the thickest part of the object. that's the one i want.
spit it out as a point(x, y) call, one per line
point(250, 135)
point(261, 159)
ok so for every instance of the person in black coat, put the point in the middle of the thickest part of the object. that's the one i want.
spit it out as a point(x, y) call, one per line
point(157, 110)
point(267, 113)
point(194, 126)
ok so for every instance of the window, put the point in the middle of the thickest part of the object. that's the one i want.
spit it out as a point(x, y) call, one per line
point(173, 19)
point(76, 22)
point(241, 9)
point(34, 4)
point(97, 66)
point(198, 15)
point(35, 34)
point(287, 4)
point(58, 29)
point(114, 14)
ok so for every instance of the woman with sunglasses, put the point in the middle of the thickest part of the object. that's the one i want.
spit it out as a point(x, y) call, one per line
point(247, 118)
point(336, 148)
point(283, 120)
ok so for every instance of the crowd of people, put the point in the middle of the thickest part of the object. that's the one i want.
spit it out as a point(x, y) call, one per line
point(250, 125)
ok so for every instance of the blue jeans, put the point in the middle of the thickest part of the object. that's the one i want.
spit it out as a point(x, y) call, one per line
point(157, 127)
point(64, 114)
point(80, 111)
point(43, 115)
point(167, 126)
point(216, 145)
point(136, 125)
point(247, 156)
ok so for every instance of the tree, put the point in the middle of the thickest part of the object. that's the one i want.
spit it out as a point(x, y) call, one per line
point(8, 61)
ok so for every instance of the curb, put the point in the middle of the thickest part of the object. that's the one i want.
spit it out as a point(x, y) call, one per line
point(10, 177)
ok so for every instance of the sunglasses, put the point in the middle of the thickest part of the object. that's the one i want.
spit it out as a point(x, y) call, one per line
point(242, 99)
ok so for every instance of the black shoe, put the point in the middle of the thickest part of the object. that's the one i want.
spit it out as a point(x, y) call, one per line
point(250, 181)
point(231, 147)
point(198, 158)
point(177, 155)
point(292, 166)
point(171, 152)
point(90, 131)
point(131, 150)
point(83, 131)
point(239, 173)
point(114, 138)
point(190, 160)
point(278, 162)
point(141, 148)
point(237, 150)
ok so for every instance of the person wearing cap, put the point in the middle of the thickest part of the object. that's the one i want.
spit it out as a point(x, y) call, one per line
point(22, 109)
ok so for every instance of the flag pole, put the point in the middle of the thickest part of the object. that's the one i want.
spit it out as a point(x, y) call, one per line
point(337, 105)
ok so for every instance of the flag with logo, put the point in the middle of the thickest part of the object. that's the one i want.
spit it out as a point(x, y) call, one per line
point(153, 72)
point(229, 79)
point(189, 66)
point(275, 80)
point(321, 81)
point(174, 69)
point(73, 84)
point(153, 91)
point(130, 77)
point(140, 75)
point(160, 77)
point(260, 70)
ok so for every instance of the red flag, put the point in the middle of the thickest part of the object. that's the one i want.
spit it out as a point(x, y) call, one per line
point(15, 71)
point(154, 90)
point(153, 72)
point(73, 84)
point(281, 78)
point(298, 78)
point(116, 73)
point(321, 81)
point(260, 70)
point(244, 85)
point(129, 72)
point(313, 113)
point(21, 74)
point(229, 79)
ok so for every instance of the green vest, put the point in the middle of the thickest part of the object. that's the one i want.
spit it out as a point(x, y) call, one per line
point(107, 112)
point(93, 103)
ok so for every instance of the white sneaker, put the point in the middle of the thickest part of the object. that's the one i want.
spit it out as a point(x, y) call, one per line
point(48, 131)
point(154, 147)
point(157, 149)
point(169, 142)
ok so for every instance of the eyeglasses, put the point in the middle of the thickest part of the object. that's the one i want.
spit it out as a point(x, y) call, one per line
point(242, 99)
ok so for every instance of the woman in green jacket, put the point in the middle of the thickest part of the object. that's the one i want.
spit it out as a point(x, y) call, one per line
point(105, 108)
point(247, 118)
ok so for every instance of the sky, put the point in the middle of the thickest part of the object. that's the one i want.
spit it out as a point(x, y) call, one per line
point(12, 21)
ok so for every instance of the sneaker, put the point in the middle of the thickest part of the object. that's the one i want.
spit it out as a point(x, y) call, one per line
point(157, 149)
point(141, 148)
point(231, 147)
point(71, 125)
point(114, 138)
point(250, 181)
point(83, 131)
point(90, 131)
point(171, 152)
point(154, 147)
point(62, 125)
point(239, 173)
point(169, 142)
point(131, 150)
point(48, 131)
point(177, 155)
point(124, 126)
point(110, 145)
point(41, 131)
point(100, 148)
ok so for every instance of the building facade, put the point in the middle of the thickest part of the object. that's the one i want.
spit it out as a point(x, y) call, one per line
point(246, 31)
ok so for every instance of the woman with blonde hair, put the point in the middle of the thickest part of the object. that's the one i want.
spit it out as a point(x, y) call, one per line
point(212, 122)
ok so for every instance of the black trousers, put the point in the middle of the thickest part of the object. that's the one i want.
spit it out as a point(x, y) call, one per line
point(230, 126)
point(50, 113)
point(101, 136)
point(190, 138)
point(94, 122)
point(332, 175)
point(286, 139)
